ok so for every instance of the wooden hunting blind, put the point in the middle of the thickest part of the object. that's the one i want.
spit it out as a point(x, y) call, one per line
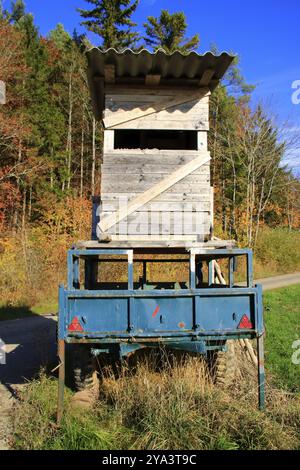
point(155, 174)
point(156, 206)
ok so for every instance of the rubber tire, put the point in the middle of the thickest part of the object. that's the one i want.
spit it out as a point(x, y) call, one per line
point(223, 365)
point(84, 368)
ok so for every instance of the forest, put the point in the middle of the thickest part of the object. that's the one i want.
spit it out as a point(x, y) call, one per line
point(51, 148)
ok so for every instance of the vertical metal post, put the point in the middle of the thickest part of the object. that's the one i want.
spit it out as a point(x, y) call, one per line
point(76, 282)
point(192, 271)
point(230, 271)
point(261, 372)
point(249, 269)
point(61, 380)
point(70, 270)
point(210, 272)
point(144, 274)
point(130, 269)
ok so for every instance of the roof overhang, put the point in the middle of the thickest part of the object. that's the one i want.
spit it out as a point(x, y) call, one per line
point(146, 68)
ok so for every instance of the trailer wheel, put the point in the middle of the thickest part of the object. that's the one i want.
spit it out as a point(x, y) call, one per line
point(84, 368)
point(223, 365)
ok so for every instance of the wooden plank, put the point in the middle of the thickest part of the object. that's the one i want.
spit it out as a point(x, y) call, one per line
point(148, 238)
point(167, 196)
point(146, 229)
point(155, 191)
point(126, 116)
point(206, 77)
point(141, 91)
point(117, 182)
point(158, 243)
point(145, 169)
point(161, 125)
point(202, 140)
point(180, 187)
point(152, 80)
point(109, 73)
point(205, 206)
point(150, 156)
point(158, 217)
point(108, 143)
point(212, 208)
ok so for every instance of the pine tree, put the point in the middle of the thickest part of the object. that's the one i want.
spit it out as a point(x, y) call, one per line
point(168, 32)
point(111, 20)
point(18, 10)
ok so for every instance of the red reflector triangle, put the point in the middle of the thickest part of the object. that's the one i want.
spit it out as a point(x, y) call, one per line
point(245, 323)
point(75, 325)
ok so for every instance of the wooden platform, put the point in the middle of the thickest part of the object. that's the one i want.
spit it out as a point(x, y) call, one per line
point(155, 245)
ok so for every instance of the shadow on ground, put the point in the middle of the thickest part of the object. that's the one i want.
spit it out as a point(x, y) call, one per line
point(13, 313)
point(30, 345)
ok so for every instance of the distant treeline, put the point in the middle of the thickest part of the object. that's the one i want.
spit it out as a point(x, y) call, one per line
point(51, 146)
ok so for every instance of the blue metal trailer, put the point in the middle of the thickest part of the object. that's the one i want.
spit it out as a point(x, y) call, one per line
point(199, 316)
point(156, 205)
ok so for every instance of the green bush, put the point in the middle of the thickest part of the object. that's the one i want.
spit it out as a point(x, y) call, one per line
point(277, 251)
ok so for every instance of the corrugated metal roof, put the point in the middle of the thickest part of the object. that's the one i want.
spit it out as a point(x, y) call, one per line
point(132, 67)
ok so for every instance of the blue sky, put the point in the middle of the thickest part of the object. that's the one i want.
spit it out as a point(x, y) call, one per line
point(264, 33)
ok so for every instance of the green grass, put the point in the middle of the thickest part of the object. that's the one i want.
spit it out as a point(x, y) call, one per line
point(8, 312)
point(282, 320)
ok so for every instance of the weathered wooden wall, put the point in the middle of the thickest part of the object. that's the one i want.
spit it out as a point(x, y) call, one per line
point(191, 114)
point(183, 211)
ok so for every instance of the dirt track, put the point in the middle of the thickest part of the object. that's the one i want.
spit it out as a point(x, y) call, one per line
point(31, 343)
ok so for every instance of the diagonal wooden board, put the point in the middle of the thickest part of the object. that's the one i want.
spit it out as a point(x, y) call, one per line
point(125, 116)
point(109, 221)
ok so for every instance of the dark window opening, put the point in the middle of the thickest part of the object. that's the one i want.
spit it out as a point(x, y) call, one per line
point(161, 140)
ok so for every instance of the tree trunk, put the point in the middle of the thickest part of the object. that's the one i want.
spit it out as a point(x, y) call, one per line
point(81, 162)
point(69, 137)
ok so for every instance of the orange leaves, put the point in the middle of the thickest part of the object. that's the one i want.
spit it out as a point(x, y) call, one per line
point(69, 218)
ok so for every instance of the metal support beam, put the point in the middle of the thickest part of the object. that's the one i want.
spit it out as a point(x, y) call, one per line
point(230, 271)
point(76, 280)
point(249, 269)
point(61, 380)
point(130, 269)
point(210, 272)
point(192, 271)
point(261, 372)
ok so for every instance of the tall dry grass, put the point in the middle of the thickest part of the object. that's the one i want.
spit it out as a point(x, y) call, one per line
point(176, 407)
